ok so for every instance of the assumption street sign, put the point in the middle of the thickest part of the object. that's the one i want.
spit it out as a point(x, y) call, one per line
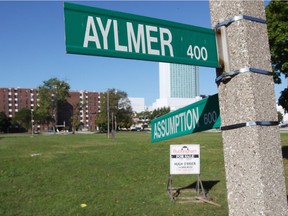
point(200, 116)
point(94, 31)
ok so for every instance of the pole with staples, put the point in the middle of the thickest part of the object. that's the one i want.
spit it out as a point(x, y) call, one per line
point(254, 169)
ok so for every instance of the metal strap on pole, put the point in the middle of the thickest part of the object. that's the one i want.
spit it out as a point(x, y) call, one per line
point(230, 74)
point(248, 124)
point(240, 17)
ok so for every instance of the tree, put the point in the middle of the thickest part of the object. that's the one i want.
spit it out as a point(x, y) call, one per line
point(277, 24)
point(119, 107)
point(4, 122)
point(75, 118)
point(283, 99)
point(23, 118)
point(280, 117)
point(124, 110)
point(42, 116)
point(102, 117)
point(159, 112)
point(51, 93)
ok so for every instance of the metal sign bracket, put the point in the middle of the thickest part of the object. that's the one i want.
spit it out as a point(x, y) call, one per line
point(228, 75)
point(224, 72)
point(236, 18)
point(248, 124)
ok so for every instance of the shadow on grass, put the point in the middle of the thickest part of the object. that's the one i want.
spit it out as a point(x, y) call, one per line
point(285, 152)
point(207, 185)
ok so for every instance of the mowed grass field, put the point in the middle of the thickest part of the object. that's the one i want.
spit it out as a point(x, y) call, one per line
point(55, 174)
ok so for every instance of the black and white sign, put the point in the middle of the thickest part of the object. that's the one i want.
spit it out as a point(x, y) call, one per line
point(185, 159)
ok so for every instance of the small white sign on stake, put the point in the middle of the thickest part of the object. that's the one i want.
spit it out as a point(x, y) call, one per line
point(185, 159)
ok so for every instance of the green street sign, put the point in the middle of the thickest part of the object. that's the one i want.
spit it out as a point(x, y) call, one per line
point(95, 31)
point(200, 116)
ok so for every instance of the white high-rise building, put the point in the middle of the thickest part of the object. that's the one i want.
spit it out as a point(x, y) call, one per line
point(178, 81)
point(178, 85)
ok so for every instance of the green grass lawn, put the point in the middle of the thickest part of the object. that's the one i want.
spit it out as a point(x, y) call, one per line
point(55, 174)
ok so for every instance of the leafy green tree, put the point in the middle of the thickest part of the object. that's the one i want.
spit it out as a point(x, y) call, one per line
point(101, 120)
point(23, 118)
point(277, 23)
point(119, 107)
point(124, 110)
point(280, 117)
point(51, 93)
point(159, 112)
point(42, 116)
point(124, 119)
point(283, 99)
point(75, 118)
point(4, 122)
point(102, 117)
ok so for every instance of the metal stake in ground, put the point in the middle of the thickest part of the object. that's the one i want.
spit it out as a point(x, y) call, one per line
point(253, 160)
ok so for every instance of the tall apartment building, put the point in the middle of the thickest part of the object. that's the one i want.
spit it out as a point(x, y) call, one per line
point(90, 101)
point(178, 81)
point(178, 85)
point(14, 99)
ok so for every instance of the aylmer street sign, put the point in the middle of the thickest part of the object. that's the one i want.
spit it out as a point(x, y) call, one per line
point(200, 116)
point(94, 31)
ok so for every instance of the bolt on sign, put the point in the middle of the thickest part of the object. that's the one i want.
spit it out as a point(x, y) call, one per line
point(200, 116)
point(100, 32)
point(185, 159)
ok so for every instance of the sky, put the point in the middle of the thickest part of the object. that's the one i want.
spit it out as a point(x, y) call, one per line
point(32, 48)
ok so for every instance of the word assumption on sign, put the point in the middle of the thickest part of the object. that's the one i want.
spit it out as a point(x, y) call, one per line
point(100, 32)
point(200, 116)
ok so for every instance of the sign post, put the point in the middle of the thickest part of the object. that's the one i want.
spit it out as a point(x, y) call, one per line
point(94, 31)
point(184, 159)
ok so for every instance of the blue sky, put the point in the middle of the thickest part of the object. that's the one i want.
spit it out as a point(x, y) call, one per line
point(32, 48)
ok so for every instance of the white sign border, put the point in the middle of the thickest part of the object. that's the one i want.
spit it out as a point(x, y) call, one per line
point(184, 160)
